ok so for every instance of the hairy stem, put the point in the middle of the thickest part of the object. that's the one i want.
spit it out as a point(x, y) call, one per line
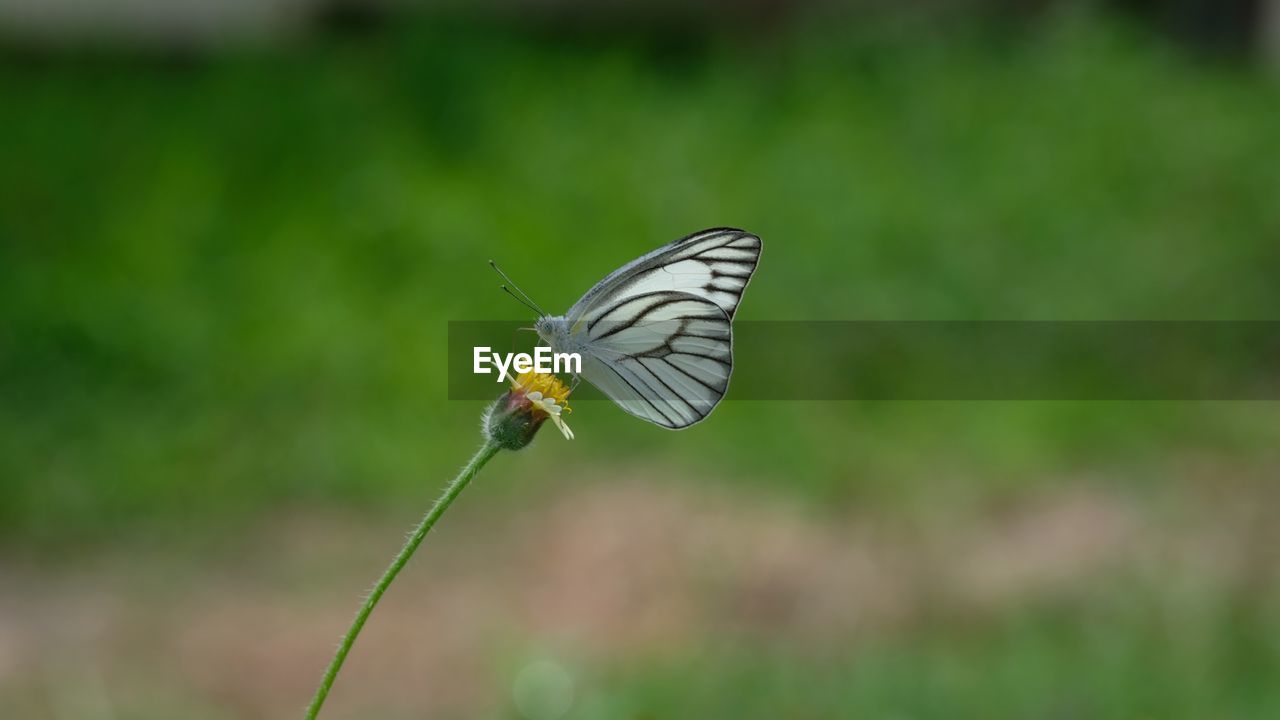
point(428, 521)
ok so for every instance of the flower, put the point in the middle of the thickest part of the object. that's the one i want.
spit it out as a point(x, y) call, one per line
point(514, 418)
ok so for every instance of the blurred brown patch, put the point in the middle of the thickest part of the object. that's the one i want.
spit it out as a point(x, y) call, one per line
point(623, 568)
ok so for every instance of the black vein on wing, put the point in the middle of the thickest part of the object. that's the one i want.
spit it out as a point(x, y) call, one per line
point(717, 393)
point(663, 298)
point(673, 393)
point(711, 287)
point(668, 348)
point(638, 316)
point(716, 274)
point(618, 371)
point(700, 381)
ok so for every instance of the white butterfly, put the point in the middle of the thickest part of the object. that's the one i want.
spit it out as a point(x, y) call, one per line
point(655, 335)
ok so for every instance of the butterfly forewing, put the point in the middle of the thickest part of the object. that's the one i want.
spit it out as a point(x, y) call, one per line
point(715, 265)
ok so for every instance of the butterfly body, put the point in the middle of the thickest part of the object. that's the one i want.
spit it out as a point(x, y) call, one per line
point(656, 334)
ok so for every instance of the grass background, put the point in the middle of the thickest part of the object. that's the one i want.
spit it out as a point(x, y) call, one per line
point(225, 282)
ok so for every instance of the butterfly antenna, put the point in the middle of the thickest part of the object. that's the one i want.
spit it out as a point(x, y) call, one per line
point(527, 303)
point(523, 297)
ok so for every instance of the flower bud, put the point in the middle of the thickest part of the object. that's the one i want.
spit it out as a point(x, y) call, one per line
point(513, 419)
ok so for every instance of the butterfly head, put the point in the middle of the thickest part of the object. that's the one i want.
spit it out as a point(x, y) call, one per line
point(554, 330)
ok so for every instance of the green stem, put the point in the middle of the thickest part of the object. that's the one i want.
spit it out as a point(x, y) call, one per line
point(451, 493)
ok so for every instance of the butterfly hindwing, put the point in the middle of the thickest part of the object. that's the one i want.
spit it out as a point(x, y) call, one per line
point(663, 356)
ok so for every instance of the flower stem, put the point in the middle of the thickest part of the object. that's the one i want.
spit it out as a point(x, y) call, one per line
point(486, 452)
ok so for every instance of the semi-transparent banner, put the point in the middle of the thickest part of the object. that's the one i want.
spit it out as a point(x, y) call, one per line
point(939, 360)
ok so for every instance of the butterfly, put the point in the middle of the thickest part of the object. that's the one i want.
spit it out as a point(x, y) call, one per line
point(656, 335)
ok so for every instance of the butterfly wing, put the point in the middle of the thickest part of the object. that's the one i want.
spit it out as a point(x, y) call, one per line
point(663, 356)
point(714, 265)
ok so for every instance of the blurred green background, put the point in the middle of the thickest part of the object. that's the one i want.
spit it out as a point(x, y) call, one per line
point(226, 270)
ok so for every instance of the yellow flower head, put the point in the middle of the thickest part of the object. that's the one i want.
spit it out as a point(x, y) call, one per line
point(549, 385)
point(514, 419)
